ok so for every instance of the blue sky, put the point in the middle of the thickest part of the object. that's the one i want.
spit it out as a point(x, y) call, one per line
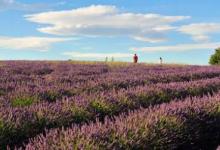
point(178, 31)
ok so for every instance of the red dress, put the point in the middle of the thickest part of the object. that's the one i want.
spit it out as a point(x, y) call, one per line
point(135, 59)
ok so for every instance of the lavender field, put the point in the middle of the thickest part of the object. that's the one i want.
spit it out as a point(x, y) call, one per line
point(75, 105)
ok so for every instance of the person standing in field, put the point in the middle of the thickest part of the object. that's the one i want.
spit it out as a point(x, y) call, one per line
point(135, 58)
point(112, 59)
point(106, 59)
point(161, 60)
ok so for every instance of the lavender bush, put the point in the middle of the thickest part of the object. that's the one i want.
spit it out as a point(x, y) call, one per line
point(32, 120)
point(35, 96)
point(189, 124)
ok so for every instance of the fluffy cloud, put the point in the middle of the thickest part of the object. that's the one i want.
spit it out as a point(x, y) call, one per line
point(99, 20)
point(180, 47)
point(15, 5)
point(29, 43)
point(96, 55)
point(201, 31)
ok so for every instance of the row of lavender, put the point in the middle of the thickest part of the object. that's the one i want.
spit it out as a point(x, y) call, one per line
point(18, 124)
point(40, 81)
point(82, 93)
point(190, 124)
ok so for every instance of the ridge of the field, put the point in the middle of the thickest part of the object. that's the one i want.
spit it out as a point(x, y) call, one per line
point(35, 95)
point(192, 123)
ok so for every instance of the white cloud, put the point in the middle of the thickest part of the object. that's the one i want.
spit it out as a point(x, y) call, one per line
point(29, 43)
point(150, 39)
point(101, 20)
point(180, 47)
point(15, 5)
point(200, 31)
point(96, 55)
